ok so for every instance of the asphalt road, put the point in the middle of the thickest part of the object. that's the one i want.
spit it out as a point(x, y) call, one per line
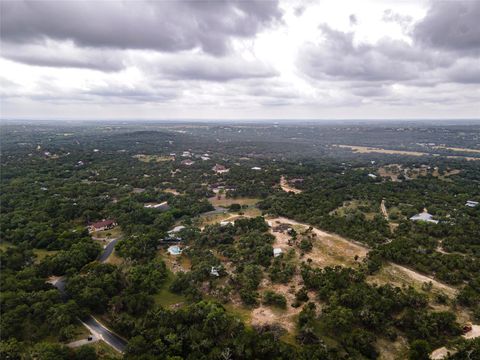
point(108, 250)
point(91, 323)
point(105, 334)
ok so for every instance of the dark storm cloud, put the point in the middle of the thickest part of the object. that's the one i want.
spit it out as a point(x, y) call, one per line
point(53, 56)
point(466, 71)
point(451, 25)
point(444, 48)
point(339, 58)
point(169, 26)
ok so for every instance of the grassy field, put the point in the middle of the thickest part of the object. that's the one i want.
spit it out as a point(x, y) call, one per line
point(165, 297)
point(225, 202)
point(108, 234)
point(105, 352)
point(5, 245)
point(153, 158)
point(355, 205)
point(42, 254)
point(204, 220)
point(39, 253)
point(114, 259)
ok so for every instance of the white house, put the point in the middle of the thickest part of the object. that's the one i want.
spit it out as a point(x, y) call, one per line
point(277, 252)
point(471, 203)
point(424, 216)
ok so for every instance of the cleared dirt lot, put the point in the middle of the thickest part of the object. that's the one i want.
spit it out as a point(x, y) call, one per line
point(457, 149)
point(287, 187)
point(330, 249)
point(366, 150)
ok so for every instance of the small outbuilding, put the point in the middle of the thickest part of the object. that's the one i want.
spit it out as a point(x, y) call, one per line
point(277, 252)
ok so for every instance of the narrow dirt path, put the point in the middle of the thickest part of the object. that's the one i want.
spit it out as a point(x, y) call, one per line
point(383, 208)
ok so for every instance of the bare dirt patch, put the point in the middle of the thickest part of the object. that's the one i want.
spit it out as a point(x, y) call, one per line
point(395, 350)
point(366, 150)
point(287, 187)
point(328, 249)
point(398, 275)
point(172, 191)
point(457, 149)
point(474, 333)
point(153, 158)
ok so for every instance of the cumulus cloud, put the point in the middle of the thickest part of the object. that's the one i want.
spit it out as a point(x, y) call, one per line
point(338, 57)
point(185, 58)
point(64, 55)
point(451, 25)
point(157, 25)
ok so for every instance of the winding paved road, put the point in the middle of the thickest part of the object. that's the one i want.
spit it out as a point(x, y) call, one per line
point(93, 325)
point(107, 251)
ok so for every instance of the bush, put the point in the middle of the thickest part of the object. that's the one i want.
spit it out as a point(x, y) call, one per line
point(272, 298)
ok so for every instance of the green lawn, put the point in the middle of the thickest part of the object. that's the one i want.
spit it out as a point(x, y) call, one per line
point(42, 254)
point(5, 245)
point(105, 352)
point(165, 297)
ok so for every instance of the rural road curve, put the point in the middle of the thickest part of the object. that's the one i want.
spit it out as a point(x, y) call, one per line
point(99, 330)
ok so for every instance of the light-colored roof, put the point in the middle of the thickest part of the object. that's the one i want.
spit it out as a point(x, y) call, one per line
point(176, 229)
point(424, 216)
point(156, 206)
point(277, 251)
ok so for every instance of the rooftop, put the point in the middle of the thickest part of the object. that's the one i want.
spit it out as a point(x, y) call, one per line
point(424, 216)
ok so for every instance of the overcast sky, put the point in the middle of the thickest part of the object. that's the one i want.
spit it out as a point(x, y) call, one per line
point(240, 59)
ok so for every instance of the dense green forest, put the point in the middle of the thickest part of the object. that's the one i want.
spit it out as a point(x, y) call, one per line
point(56, 181)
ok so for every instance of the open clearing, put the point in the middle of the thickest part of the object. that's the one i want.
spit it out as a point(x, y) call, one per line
point(349, 207)
point(153, 158)
point(477, 151)
point(287, 187)
point(114, 233)
point(367, 149)
point(225, 202)
point(330, 250)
